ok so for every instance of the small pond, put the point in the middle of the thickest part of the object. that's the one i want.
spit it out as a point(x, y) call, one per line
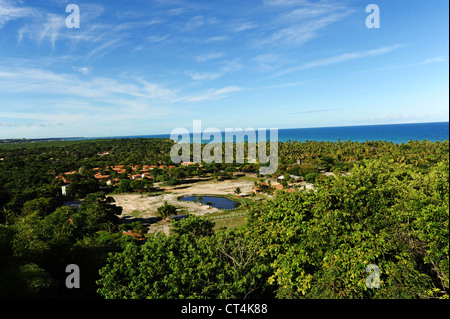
point(217, 202)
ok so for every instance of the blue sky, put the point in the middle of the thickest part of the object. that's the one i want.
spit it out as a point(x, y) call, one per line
point(146, 67)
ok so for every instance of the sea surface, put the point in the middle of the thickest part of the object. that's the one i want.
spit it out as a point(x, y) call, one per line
point(396, 133)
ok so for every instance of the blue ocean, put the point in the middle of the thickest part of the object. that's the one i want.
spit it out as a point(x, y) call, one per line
point(396, 133)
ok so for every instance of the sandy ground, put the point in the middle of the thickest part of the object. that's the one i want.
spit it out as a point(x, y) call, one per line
point(147, 205)
point(144, 207)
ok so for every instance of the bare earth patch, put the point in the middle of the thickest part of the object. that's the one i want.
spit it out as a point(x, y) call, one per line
point(146, 205)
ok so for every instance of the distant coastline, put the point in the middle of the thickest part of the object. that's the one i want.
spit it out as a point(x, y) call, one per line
point(396, 133)
point(31, 140)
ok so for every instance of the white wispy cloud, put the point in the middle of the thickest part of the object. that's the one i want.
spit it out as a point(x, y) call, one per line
point(42, 25)
point(102, 49)
point(345, 57)
point(315, 111)
point(300, 21)
point(216, 38)
point(305, 13)
point(232, 66)
point(202, 76)
point(211, 94)
point(71, 98)
point(101, 89)
point(6, 75)
point(285, 2)
point(284, 85)
point(300, 33)
point(195, 22)
point(100, 36)
point(210, 56)
point(79, 102)
point(244, 26)
point(267, 62)
point(157, 91)
point(9, 10)
point(437, 59)
point(83, 70)
point(136, 25)
point(52, 28)
point(157, 38)
point(176, 11)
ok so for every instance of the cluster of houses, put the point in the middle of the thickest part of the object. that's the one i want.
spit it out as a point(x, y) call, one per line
point(140, 172)
point(261, 188)
point(277, 187)
point(120, 169)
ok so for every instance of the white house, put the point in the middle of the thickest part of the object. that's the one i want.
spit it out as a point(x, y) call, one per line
point(295, 177)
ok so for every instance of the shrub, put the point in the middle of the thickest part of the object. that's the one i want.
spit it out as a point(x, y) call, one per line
point(311, 177)
point(166, 210)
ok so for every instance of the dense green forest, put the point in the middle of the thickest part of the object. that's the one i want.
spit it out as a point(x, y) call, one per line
point(387, 204)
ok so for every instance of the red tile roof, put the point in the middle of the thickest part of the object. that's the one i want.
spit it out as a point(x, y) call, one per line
point(100, 176)
point(134, 235)
point(188, 163)
point(120, 169)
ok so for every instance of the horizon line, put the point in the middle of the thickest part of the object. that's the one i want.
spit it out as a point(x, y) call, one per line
point(165, 134)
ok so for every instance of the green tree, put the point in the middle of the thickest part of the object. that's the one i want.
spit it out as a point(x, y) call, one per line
point(193, 225)
point(80, 186)
point(99, 212)
point(26, 281)
point(29, 241)
point(6, 237)
point(42, 205)
point(321, 242)
point(327, 162)
point(166, 210)
point(185, 266)
point(124, 186)
point(172, 182)
point(311, 177)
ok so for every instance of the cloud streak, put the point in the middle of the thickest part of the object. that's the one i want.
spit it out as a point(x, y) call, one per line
point(315, 111)
point(210, 56)
point(301, 24)
point(232, 66)
point(341, 58)
point(437, 59)
point(9, 11)
point(211, 94)
point(74, 97)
